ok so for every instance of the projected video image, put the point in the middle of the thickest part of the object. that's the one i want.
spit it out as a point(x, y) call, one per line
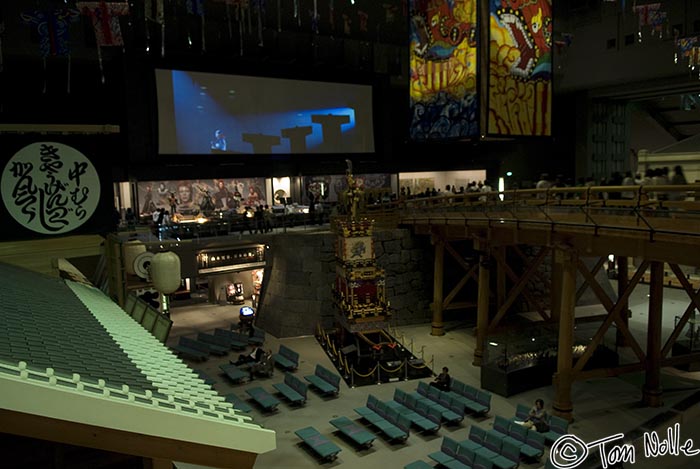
point(231, 114)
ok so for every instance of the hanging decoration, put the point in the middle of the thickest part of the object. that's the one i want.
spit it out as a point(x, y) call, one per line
point(240, 8)
point(688, 48)
point(653, 16)
point(622, 2)
point(2, 31)
point(245, 5)
point(296, 13)
point(154, 11)
point(363, 17)
point(561, 45)
point(389, 13)
point(314, 18)
point(196, 8)
point(260, 11)
point(53, 28)
point(347, 23)
point(105, 23)
point(279, 16)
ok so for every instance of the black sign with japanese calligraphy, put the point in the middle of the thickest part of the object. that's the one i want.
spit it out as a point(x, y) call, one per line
point(50, 188)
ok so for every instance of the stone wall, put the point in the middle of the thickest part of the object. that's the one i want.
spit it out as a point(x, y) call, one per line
point(300, 272)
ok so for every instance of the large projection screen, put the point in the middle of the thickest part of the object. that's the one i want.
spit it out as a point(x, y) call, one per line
point(207, 113)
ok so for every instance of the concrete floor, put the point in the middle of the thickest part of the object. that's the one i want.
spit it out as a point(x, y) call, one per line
point(602, 407)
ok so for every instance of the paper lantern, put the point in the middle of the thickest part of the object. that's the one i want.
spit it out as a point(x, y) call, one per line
point(165, 272)
point(132, 249)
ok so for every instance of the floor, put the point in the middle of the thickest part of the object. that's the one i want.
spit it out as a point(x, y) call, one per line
point(602, 407)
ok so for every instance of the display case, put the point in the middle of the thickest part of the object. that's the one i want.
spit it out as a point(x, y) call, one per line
point(688, 341)
point(527, 357)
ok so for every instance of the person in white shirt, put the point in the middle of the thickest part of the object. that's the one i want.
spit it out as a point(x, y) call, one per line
point(543, 183)
point(628, 180)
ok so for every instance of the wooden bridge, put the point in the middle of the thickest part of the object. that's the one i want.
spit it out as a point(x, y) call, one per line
point(654, 225)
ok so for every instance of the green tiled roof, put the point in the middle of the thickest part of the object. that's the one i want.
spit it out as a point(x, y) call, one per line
point(47, 326)
point(68, 352)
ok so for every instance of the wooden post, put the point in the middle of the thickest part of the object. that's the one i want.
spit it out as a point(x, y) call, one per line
point(651, 391)
point(501, 278)
point(622, 281)
point(438, 274)
point(563, 378)
point(555, 296)
point(482, 311)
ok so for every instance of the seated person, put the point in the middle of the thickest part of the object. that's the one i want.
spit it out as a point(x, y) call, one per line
point(537, 417)
point(443, 380)
point(253, 357)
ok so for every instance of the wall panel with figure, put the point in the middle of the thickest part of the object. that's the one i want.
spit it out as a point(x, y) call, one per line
point(191, 195)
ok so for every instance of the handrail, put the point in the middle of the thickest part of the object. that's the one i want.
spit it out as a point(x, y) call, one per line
point(650, 209)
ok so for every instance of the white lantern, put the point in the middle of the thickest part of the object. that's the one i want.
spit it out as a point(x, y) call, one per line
point(165, 272)
point(132, 249)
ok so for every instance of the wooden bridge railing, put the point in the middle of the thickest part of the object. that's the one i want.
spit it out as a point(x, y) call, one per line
point(654, 210)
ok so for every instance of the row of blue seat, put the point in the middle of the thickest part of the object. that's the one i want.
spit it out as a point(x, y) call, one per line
point(557, 425)
point(389, 421)
point(529, 441)
point(474, 400)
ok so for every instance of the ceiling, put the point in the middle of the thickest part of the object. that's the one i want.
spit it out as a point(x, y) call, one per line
point(678, 114)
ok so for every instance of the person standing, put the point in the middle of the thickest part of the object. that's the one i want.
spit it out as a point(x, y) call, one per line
point(130, 218)
point(219, 142)
point(172, 201)
point(677, 179)
point(312, 209)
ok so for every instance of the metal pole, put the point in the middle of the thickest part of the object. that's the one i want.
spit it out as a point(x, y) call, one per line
point(405, 369)
point(352, 376)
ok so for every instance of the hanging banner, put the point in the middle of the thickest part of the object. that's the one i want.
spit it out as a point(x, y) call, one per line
point(443, 69)
point(105, 22)
point(53, 29)
point(652, 15)
point(520, 69)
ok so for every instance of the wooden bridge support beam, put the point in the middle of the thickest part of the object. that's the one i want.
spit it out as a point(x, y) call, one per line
point(622, 281)
point(482, 309)
point(501, 279)
point(651, 391)
point(563, 378)
point(438, 327)
point(555, 290)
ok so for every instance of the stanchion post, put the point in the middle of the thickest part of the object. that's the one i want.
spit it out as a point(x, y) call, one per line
point(352, 376)
point(379, 376)
point(405, 369)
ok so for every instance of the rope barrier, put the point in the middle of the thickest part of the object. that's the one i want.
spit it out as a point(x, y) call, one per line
point(418, 367)
point(368, 374)
point(390, 371)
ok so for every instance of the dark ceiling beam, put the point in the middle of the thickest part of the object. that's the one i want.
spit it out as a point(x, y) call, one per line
point(665, 124)
point(649, 89)
point(684, 123)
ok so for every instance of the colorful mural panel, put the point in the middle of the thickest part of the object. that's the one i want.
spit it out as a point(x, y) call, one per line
point(189, 197)
point(520, 68)
point(443, 68)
